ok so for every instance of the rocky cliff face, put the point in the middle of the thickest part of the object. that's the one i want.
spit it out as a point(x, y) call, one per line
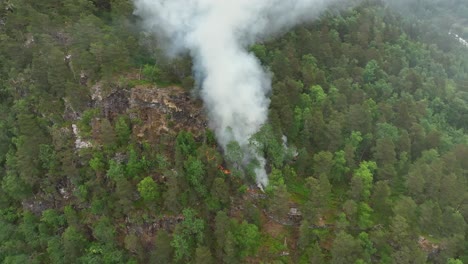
point(155, 111)
point(164, 111)
point(158, 114)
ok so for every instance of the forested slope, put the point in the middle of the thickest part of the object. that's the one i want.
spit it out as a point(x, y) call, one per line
point(374, 170)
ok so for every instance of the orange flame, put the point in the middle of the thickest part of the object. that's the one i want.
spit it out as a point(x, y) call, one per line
point(224, 170)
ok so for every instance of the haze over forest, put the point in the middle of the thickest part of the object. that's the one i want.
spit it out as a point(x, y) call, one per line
point(247, 131)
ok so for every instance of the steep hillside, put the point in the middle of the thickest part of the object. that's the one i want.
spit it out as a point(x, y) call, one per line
point(107, 157)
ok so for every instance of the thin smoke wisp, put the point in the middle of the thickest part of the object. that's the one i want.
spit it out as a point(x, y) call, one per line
point(217, 34)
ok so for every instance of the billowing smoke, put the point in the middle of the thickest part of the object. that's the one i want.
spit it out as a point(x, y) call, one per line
point(217, 34)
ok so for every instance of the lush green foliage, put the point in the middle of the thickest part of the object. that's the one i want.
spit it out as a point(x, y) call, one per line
point(374, 108)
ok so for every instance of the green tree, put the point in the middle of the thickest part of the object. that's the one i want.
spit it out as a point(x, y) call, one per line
point(172, 196)
point(151, 73)
point(149, 189)
point(248, 239)
point(385, 156)
point(234, 153)
point(350, 208)
point(104, 231)
point(317, 94)
point(203, 256)
point(219, 191)
point(195, 172)
point(135, 165)
point(162, 253)
point(53, 218)
point(185, 144)
point(367, 245)
point(267, 143)
point(306, 237)
point(380, 201)
point(454, 261)
point(430, 217)
point(314, 254)
point(362, 181)
point(123, 130)
point(230, 250)
point(345, 249)
point(188, 234)
point(115, 171)
point(364, 216)
point(318, 198)
point(107, 136)
point(55, 250)
point(222, 227)
point(123, 195)
point(74, 244)
point(323, 163)
point(406, 207)
point(339, 169)
point(371, 72)
point(278, 202)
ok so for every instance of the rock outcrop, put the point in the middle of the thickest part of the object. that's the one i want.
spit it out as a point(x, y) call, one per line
point(164, 111)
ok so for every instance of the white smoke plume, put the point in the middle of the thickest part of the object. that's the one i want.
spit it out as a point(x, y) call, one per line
point(217, 34)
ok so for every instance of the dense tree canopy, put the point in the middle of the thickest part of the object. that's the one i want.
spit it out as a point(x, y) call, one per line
point(366, 142)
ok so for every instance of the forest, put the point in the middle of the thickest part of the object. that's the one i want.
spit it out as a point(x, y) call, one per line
point(106, 155)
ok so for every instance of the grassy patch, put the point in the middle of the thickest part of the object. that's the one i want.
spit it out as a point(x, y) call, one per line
point(299, 192)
